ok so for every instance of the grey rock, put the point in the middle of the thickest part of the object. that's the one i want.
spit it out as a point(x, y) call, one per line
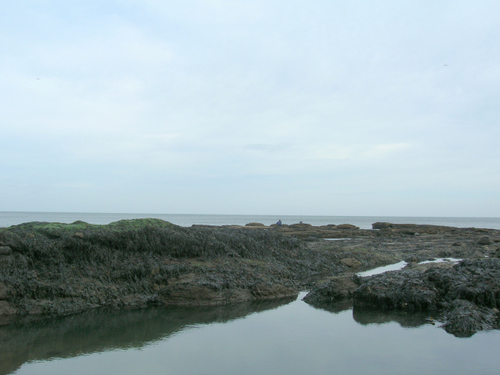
point(484, 240)
point(381, 225)
point(336, 289)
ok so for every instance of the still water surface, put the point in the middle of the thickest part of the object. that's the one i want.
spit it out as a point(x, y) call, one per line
point(278, 337)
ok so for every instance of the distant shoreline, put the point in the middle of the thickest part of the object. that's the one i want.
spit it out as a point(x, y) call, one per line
point(186, 220)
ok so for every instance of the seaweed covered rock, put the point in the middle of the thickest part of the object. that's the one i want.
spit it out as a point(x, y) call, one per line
point(466, 295)
point(464, 318)
point(336, 289)
point(60, 269)
point(396, 290)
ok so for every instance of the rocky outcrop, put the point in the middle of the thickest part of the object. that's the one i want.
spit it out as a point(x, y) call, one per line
point(61, 269)
point(336, 289)
point(464, 318)
point(436, 289)
point(397, 290)
point(466, 296)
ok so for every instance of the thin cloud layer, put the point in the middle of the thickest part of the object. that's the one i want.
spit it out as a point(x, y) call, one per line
point(264, 107)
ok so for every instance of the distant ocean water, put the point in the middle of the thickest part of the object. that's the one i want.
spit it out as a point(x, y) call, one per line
point(365, 222)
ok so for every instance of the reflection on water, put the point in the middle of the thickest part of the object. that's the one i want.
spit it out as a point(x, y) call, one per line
point(106, 330)
point(281, 338)
point(366, 317)
point(404, 319)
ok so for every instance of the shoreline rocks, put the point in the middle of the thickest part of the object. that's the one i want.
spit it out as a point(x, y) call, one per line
point(51, 269)
point(336, 289)
point(473, 285)
point(465, 296)
point(55, 269)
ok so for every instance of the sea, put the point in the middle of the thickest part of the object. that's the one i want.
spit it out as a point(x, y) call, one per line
point(364, 222)
point(267, 337)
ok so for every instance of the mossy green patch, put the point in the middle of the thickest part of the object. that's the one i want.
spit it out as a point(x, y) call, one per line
point(139, 224)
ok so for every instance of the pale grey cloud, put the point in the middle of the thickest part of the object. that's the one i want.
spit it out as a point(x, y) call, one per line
point(218, 106)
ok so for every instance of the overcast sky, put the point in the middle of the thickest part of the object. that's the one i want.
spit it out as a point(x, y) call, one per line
point(318, 107)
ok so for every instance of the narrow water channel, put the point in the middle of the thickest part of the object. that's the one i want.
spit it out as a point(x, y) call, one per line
point(402, 264)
